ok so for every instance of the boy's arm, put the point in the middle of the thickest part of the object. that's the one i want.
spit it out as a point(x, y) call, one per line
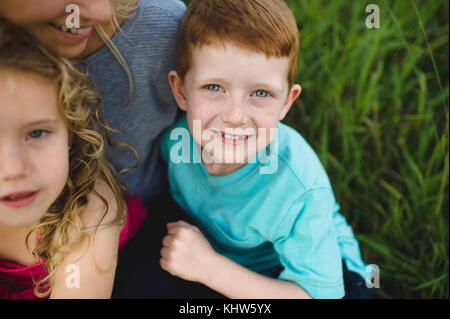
point(187, 254)
point(308, 247)
point(88, 270)
point(305, 241)
point(235, 281)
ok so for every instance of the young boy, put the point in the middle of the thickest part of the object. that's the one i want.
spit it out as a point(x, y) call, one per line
point(268, 225)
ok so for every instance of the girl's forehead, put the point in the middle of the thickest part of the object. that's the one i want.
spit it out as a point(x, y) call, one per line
point(26, 97)
point(24, 83)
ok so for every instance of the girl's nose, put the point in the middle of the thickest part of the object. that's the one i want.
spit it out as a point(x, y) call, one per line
point(14, 164)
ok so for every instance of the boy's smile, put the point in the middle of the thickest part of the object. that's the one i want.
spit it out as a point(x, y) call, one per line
point(238, 96)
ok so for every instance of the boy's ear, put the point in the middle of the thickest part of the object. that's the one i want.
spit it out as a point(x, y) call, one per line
point(177, 87)
point(295, 92)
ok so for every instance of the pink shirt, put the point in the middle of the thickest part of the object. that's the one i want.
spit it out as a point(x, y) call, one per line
point(17, 281)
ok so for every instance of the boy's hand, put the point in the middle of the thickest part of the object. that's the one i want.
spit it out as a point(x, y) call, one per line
point(186, 253)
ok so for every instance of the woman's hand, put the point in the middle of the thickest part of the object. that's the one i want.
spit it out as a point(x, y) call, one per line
point(186, 253)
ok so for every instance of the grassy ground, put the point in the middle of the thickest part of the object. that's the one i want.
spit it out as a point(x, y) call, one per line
point(375, 108)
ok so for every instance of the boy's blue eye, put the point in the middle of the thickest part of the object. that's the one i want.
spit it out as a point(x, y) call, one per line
point(262, 93)
point(213, 87)
point(37, 134)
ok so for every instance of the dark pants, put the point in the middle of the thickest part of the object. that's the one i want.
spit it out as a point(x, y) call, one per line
point(139, 274)
point(355, 285)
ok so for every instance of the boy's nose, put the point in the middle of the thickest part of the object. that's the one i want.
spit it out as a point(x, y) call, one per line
point(234, 113)
point(95, 11)
point(14, 164)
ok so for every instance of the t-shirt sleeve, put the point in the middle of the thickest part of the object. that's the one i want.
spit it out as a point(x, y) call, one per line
point(307, 246)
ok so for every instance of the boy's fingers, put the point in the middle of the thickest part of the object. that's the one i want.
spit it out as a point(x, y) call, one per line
point(163, 264)
point(176, 228)
point(170, 224)
point(180, 223)
point(172, 230)
point(164, 252)
point(167, 241)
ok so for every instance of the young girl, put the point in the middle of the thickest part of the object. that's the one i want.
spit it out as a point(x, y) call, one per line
point(128, 47)
point(62, 213)
point(128, 65)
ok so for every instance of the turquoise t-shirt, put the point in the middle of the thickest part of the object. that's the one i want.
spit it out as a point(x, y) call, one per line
point(278, 210)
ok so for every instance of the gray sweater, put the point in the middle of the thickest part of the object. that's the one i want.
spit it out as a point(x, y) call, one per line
point(148, 44)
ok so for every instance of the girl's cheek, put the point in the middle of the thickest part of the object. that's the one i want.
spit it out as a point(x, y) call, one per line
point(56, 163)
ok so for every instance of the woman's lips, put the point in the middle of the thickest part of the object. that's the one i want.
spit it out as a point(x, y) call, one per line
point(73, 36)
point(20, 199)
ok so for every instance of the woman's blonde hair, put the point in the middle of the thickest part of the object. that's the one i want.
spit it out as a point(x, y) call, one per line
point(87, 162)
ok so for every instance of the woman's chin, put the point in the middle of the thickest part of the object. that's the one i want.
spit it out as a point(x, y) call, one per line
point(70, 52)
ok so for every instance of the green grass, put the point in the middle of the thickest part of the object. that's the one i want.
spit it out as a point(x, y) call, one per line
point(375, 108)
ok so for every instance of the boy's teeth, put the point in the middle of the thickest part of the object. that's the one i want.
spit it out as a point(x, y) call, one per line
point(234, 137)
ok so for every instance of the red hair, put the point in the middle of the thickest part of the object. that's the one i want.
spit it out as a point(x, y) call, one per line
point(262, 26)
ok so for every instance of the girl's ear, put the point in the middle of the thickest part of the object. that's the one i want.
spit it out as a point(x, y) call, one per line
point(295, 92)
point(177, 87)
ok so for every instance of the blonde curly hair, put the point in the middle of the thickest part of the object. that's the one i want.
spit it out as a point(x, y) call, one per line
point(87, 162)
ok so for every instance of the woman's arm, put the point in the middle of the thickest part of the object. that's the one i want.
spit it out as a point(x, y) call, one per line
point(187, 254)
point(88, 270)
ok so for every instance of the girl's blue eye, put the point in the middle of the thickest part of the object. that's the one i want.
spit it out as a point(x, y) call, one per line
point(213, 87)
point(37, 134)
point(262, 93)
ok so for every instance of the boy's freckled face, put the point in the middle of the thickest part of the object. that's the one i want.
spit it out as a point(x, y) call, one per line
point(34, 151)
point(238, 95)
